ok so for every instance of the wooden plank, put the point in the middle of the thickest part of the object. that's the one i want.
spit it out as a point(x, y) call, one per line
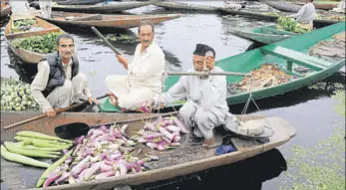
point(297, 57)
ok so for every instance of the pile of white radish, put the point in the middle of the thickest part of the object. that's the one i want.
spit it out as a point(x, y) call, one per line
point(162, 134)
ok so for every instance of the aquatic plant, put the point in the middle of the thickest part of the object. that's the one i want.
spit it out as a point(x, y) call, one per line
point(321, 167)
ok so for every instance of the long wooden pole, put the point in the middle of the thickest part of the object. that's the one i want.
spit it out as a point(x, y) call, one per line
point(59, 110)
point(208, 73)
point(98, 33)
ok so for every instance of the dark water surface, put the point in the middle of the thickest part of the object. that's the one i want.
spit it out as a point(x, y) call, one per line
point(310, 111)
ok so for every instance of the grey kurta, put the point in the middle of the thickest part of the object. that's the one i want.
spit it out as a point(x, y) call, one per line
point(61, 96)
point(206, 104)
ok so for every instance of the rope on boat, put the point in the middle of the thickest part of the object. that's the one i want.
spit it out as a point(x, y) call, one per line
point(248, 102)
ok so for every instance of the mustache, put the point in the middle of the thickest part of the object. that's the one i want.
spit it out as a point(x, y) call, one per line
point(146, 41)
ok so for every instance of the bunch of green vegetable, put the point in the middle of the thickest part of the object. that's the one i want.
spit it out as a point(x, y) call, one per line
point(289, 24)
point(16, 95)
point(40, 44)
point(23, 25)
point(34, 144)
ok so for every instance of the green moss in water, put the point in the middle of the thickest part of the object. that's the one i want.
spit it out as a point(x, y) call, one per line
point(321, 167)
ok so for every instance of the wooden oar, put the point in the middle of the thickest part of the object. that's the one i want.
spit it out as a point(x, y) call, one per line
point(98, 33)
point(59, 110)
point(73, 130)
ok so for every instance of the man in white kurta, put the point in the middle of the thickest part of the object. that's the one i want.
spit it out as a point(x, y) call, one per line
point(144, 78)
point(46, 8)
point(306, 15)
point(206, 105)
point(341, 7)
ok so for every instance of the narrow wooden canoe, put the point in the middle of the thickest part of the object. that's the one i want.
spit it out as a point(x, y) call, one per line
point(79, 2)
point(295, 7)
point(186, 159)
point(102, 21)
point(26, 55)
point(109, 8)
point(321, 5)
point(282, 53)
point(284, 6)
point(6, 10)
point(263, 16)
point(185, 6)
point(264, 34)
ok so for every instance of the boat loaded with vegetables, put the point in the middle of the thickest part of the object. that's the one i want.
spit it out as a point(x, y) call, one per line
point(132, 149)
point(278, 68)
point(285, 28)
point(31, 38)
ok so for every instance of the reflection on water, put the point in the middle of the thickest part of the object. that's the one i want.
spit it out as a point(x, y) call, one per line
point(248, 174)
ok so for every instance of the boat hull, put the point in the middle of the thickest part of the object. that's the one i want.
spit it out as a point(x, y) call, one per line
point(111, 8)
point(28, 56)
point(259, 16)
point(110, 22)
point(185, 7)
point(171, 163)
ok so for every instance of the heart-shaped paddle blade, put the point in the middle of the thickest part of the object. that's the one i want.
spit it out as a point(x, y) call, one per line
point(71, 130)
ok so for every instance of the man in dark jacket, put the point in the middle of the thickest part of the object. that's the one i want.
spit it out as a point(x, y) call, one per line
point(58, 82)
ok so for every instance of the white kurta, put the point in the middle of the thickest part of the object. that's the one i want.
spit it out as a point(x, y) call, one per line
point(46, 8)
point(306, 14)
point(206, 104)
point(71, 91)
point(144, 78)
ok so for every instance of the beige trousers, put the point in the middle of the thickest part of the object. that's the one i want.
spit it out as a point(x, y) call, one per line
point(71, 92)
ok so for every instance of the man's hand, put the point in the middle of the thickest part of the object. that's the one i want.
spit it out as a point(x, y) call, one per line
point(121, 59)
point(51, 112)
point(210, 62)
point(91, 101)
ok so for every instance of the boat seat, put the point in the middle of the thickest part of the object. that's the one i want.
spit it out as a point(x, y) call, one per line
point(297, 57)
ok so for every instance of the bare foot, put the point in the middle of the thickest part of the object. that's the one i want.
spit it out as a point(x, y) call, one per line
point(210, 143)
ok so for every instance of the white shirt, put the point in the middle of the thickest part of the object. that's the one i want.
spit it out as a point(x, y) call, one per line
point(306, 14)
point(146, 68)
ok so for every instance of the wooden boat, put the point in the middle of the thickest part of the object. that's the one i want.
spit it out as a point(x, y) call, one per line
point(295, 7)
point(263, 16)
point(109, 8)
point(185, 6)
point(185, 159)
point(284, 6)
point(79, 2)
point(321, 5)
point(282, 53)
point(6, 10)
point(105, 21)
point(26, 55)
point(264, 34)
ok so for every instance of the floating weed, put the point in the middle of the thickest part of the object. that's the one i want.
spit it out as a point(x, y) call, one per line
point(340, 96)
point(326, 86)
point(321, 167)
